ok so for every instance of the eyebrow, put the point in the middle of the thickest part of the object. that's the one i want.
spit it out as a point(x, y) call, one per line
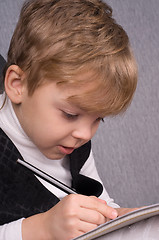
point(66, 104)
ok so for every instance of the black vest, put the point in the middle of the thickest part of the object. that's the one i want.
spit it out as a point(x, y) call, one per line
point(22, 195)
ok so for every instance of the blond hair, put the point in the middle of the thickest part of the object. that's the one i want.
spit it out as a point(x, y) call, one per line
point(59, 39)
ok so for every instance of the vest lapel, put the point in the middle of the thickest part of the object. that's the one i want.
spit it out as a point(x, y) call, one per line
point(83, 184)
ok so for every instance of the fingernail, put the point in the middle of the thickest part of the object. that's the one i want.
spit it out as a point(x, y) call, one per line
point(114, 214)
point(101, 200)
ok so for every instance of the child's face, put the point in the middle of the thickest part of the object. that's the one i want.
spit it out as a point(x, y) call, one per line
point(55, 126)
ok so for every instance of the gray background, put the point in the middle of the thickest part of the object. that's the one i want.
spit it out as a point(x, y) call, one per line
point(126, 147)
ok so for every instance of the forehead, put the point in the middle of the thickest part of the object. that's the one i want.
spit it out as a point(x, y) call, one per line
point(87, 92)
point(78, 85)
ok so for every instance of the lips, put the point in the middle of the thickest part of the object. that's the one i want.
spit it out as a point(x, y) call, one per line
point(65, 150)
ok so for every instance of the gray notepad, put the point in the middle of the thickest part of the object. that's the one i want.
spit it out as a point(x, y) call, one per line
point(120, 222)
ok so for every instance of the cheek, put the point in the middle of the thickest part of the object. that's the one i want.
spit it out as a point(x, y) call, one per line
point(36, 125)
point(47, 131)
point(95, 128)
point(44, 126)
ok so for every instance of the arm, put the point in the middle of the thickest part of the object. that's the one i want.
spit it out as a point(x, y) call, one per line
point(11, 231)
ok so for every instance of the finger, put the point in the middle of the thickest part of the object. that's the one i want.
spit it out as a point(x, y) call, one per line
point(99, 199)
point(122, 211)
point(77, 234)
point(99, 206)
point(86, 227)
point(91, 216)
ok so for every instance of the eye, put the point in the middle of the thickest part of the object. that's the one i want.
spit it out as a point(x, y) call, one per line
point(70, 116)
point(100, 119)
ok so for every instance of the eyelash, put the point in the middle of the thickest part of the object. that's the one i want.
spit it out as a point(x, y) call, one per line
point(100, 119)
point(70, 116)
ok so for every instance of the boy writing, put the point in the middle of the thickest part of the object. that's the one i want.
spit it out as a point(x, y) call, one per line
point(69, 65)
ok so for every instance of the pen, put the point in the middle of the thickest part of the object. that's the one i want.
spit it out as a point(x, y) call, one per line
point(47, 177)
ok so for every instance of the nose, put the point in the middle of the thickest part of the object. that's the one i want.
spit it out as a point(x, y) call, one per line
point(84, 133)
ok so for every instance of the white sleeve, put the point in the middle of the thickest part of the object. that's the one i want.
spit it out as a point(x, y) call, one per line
point(12, 230)
point(89, 169)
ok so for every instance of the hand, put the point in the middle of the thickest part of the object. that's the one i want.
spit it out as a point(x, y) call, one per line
point(122, 211)
point(71, 217)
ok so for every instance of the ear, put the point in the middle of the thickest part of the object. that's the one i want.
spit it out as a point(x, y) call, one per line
point(14, 83)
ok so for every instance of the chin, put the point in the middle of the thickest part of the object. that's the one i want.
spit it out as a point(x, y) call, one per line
point(57, 156)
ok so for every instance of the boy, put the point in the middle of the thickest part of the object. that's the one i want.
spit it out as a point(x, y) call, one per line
point(69, 65)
